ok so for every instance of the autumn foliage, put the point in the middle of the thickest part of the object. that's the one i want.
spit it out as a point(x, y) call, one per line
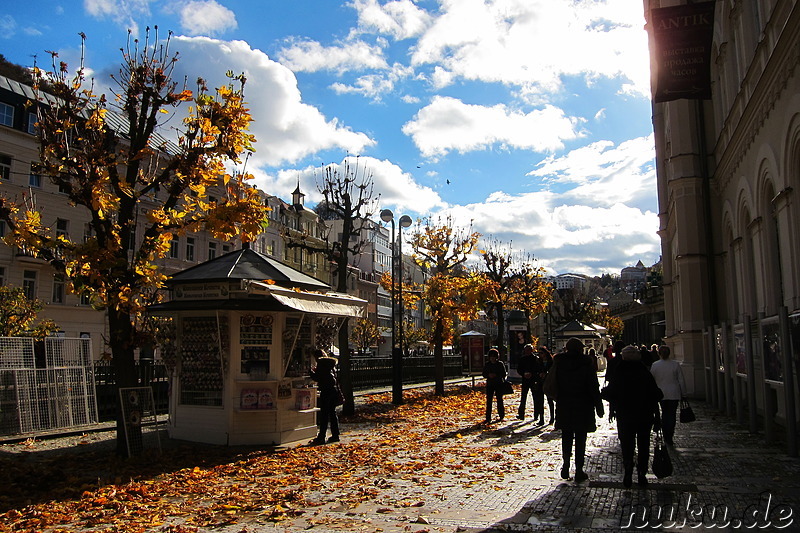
point(19, 315)
point(451, 291)
point(136, 188)
point(194, 488)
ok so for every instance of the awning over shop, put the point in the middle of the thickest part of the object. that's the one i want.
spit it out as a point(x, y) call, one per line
point(330, 303)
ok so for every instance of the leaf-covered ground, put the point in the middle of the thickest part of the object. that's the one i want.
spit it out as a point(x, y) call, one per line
point(387, 456)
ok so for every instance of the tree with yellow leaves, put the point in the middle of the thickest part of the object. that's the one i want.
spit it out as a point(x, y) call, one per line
point(512, 282)
point(365, 334)
point(109, 159)
point(530, 291)
point(452, 291)
point(18, 315)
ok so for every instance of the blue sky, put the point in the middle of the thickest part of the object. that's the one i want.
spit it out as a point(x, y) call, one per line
point(537, 112)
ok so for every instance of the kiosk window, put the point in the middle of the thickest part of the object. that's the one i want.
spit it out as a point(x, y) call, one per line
point(201, 364)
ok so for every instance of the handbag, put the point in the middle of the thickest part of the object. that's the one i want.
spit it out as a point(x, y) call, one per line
point(507, 388)
point(339, 396)
point(550, 387)
point(662, 463)
point(687, 414)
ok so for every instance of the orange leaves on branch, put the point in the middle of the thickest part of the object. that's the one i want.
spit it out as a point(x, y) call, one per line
point(114, 174)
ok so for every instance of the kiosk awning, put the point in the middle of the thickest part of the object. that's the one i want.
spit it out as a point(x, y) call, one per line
point(331, 303)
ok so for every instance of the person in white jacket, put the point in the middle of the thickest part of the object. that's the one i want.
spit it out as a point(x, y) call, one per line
point(669, 378)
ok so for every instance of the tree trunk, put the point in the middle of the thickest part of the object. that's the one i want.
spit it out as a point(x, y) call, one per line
point(122, 361)
point(438, 357)
point(345, 376)
point(501, 330)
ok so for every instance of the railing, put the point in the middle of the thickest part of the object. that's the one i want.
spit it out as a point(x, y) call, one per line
point(374, 372)
point(154, 375)
point(367, 373)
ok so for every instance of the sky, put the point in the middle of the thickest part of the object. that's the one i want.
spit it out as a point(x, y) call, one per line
point(527, 120)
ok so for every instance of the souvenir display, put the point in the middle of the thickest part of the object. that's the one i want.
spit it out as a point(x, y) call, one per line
point(296, 343)
point(266, 399)
point(255, 330)
point(249, 399)
point(285, 389)
point(302, 399)
point(255, 336)
point(201, 365)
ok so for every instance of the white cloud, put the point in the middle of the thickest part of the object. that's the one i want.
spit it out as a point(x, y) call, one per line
point(535, 43)
point(311, 56)
point(449, 124)
point(600, 220)
point(604, 174)
point(566, 237)
point(401, 19)
point(122, 12)
point(8, 26)
point(287, 129)
point(374, 86)
point(206, 17)
point(397, 189)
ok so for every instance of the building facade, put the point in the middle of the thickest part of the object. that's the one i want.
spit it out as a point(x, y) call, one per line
point(728, 178)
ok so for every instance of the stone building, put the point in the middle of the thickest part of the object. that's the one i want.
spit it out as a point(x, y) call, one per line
point(728, 172)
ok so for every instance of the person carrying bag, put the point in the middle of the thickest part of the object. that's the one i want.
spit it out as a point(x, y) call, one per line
point(495, 373)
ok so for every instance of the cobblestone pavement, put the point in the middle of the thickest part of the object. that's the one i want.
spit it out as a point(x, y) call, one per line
point(725, 479)
point(505, 477)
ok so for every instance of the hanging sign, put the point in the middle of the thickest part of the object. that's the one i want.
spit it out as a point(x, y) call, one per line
point(682, 38)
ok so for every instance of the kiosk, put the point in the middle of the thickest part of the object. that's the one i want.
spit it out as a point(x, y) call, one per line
point(240, 330)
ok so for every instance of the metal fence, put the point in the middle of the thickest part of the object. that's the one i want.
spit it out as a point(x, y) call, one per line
point(45, 385)
point(367, 373)
point(375, 372)
point(54, 384)
point(150, 374)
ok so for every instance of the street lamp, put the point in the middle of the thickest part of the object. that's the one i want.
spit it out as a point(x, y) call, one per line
point(397, 356)
point(404, 222)
point(397, 351)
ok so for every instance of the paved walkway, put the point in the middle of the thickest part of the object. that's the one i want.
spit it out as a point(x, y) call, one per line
point(504, 477)
point(725, 479)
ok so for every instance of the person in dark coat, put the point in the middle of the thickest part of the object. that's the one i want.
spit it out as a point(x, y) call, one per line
point(530, 369)
point(324, 373)
point(495, 373)
point(634, 395)
point(538, 393)
point(577, 400)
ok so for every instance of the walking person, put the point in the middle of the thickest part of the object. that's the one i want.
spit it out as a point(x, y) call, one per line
point(495, 373)
point(324, 373)
point(633, 396)
point(538, 393)
point(669, 378)
point(577, 400)
point(530, 369)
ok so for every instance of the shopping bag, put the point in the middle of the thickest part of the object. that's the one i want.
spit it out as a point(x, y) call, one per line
point(550, 386)
point(662, 463)
point(687, 414)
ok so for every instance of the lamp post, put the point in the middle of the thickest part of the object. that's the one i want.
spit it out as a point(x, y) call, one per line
point(404, 222)
point(397, 356)
point(397, 349)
